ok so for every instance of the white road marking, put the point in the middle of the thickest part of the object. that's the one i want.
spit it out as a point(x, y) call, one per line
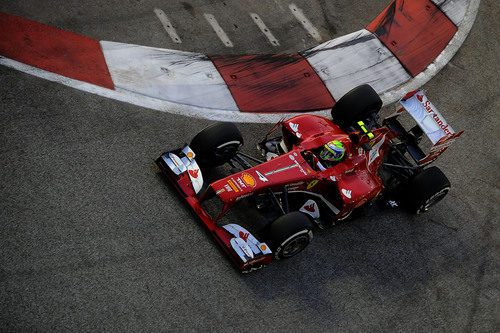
point(265, 30)
point(299, 15)
point(218, 30)
point(167, 25)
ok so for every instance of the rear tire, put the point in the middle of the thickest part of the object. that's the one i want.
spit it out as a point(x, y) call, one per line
point(356, 105)
point(216, 144)
point(425, 190)
point(289, 234)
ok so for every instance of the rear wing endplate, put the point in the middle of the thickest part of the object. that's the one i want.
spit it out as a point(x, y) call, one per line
point(430, 121)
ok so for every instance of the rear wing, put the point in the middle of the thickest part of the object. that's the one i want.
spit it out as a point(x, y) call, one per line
point(432, 123)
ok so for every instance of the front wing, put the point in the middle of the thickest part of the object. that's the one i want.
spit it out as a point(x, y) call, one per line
point(182, 171)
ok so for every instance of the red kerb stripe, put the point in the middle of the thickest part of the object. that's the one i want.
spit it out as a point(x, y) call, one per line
point(55, 50)
point(416, 31)
point(273, 83)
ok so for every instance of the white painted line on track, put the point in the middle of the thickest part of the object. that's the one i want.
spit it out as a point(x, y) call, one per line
point(218, 30)
point(265, 30)
point(169, 28)
point(299, 15)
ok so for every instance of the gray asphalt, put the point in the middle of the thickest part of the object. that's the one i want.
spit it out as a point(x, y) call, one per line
point(91, 239)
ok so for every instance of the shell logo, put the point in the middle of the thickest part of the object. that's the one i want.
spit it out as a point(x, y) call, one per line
point(249, 180)
point(263, 247)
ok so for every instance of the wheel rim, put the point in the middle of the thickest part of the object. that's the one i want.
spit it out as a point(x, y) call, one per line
point(227, 150)
point(434, 199)
point(295, 246)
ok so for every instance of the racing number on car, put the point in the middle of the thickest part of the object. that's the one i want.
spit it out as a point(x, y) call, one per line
point(261, 176)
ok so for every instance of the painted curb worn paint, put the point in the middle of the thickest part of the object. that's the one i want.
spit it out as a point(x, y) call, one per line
point(394, 54)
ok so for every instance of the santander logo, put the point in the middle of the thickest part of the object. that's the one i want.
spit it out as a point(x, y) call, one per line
point(194, 173)
point(310, 208)
point(347, 193)
point(428, 107)
point(244, 235)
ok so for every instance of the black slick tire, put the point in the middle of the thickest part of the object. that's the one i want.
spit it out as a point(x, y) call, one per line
point(356, 105)
point(216, 144)
point(425, 190)
point(289, 234)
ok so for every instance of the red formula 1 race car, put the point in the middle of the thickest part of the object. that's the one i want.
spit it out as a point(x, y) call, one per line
point(316, 173)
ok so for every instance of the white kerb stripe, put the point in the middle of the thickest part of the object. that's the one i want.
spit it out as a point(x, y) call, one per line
point(454, 9)
point(351, 60)
point(218, 30)
point(167, 25)
point(265, 30)
point(175, 76)
point(299, 15)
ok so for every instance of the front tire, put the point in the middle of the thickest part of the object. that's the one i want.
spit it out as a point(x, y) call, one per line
point(289, 235)
point(356, 105)
point(425, 190)
point(217, 144)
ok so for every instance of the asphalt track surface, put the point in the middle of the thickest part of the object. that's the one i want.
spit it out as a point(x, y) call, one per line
point(92, 239)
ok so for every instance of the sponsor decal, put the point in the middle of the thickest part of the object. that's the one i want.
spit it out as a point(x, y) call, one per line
point(312, 184)
point(428, 107)
point(240, 182)
point(190, 154)
point(236, 182)
point(261, 176)
point(374, 152)
point(295, 165)
point(194, 173)
point(280, 169)
point(295, 128)
point(347, 193)
point(244, 196)
point(439, 148)
point(263, 247)
point(235, 189)
point(310, 207)
point(246, 249)
point(175, 159)
point(220, 191)
point(249, 180)
point(228, 188)
point(243, 235)
point(333, 179)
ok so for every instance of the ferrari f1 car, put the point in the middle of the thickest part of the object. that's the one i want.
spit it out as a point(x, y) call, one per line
point(294, 190)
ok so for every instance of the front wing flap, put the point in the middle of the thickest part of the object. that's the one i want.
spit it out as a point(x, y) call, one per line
point(181, 169)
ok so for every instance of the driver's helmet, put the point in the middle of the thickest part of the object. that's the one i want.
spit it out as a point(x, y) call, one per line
point(332, 151)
